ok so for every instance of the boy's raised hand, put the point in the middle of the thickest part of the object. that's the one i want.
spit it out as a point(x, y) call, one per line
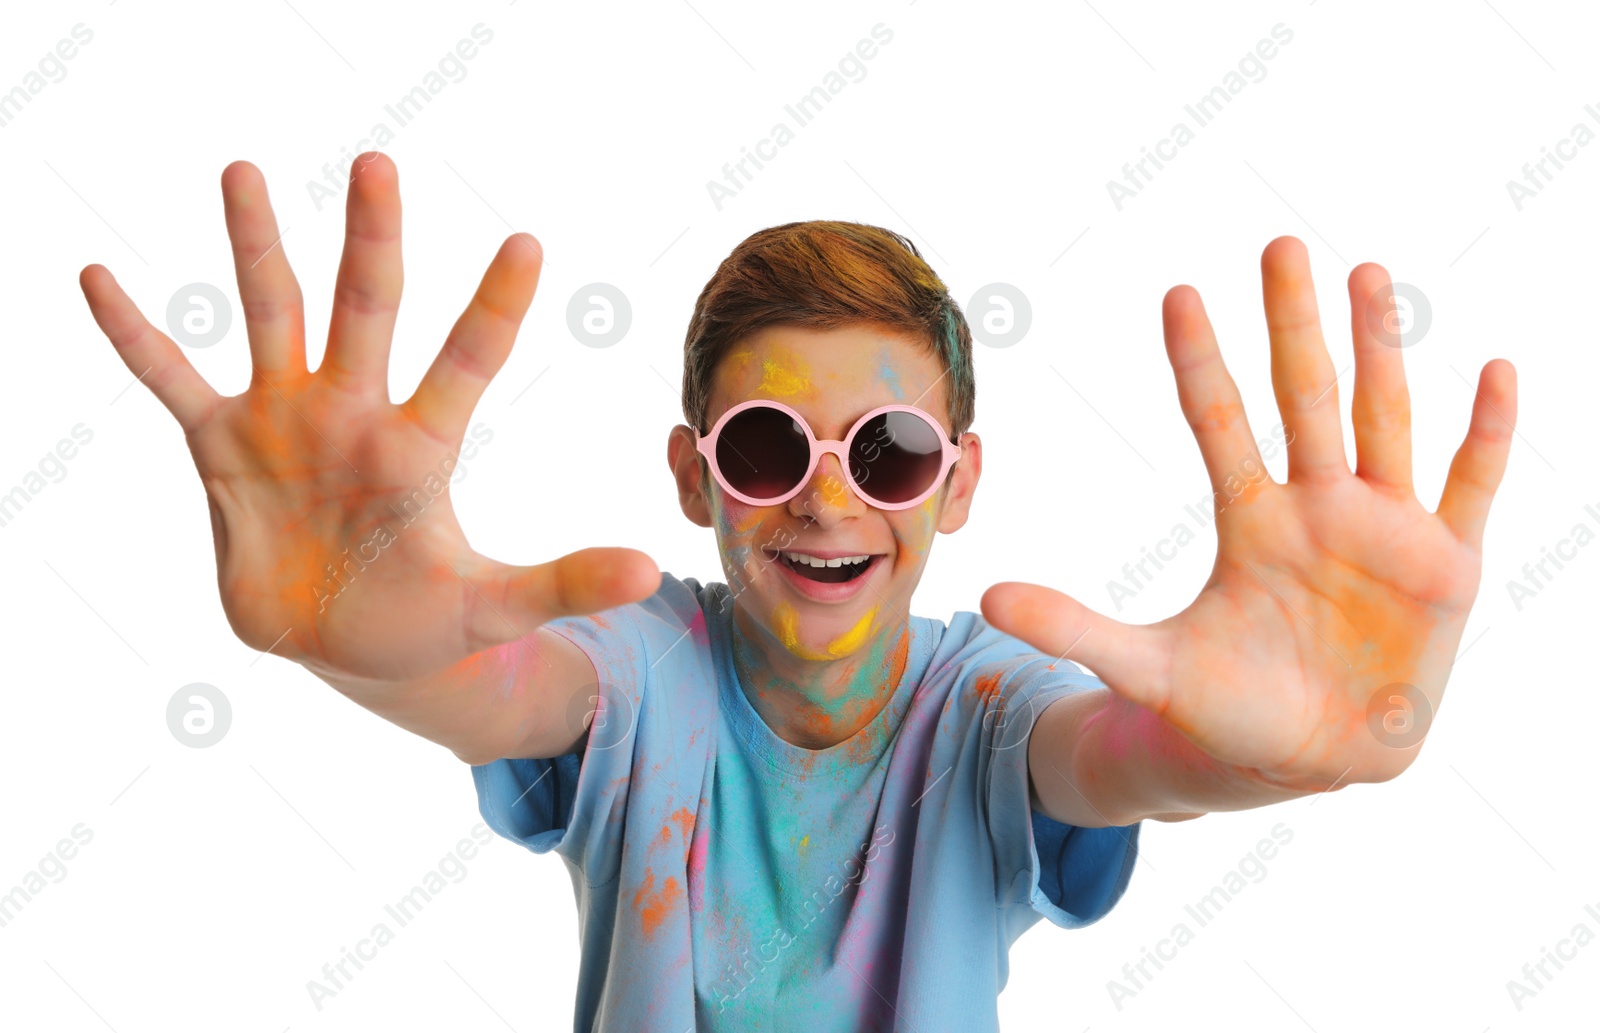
point(305, 471)
point(1319, 648)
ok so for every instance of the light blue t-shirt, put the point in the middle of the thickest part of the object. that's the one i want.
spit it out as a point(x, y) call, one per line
point(729, 880)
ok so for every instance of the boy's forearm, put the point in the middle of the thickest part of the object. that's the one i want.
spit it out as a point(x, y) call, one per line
point(513, 700)
point(1098, 759)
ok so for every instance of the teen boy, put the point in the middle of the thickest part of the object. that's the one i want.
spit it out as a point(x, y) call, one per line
point(785, 803)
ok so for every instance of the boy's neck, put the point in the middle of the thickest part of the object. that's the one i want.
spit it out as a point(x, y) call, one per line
point(815, 704)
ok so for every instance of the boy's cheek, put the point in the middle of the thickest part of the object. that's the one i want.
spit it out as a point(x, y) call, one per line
point(733, 519)
point(914, 530)
point(743, 541)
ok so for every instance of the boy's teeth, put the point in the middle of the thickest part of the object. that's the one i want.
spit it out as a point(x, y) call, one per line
point(816, 561)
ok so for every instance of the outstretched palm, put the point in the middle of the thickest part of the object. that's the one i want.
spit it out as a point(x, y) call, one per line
point(1319, 648)
point(336, 542)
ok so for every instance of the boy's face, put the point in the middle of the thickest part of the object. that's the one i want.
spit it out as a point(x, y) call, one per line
point(831, 378)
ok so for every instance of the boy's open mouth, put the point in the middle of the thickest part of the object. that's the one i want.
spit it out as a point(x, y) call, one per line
point(828, 570)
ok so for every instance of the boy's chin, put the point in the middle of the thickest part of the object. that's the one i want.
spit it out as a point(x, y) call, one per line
point(825, 631)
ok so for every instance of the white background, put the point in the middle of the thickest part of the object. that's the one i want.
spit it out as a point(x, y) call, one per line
point(220, 880)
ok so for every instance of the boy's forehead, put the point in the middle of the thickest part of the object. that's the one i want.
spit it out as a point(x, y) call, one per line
point(830, 376)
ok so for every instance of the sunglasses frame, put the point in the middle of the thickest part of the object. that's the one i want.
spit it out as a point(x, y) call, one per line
point(706, 445)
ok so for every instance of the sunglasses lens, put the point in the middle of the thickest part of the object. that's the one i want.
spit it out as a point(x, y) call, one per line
point(896, 456)
point(762, 452)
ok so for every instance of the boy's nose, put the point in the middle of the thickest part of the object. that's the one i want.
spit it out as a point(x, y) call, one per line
point(826, 498)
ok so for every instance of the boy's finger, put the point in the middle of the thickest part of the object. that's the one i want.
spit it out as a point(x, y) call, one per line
point(1381, 409)
point(1131, 659)
point(480, 341)
point(1480, 462)
point(1303, 377)
point(269, 294)
point(151, 356)
point(366, 296)
point(1206, 391)
point(507, 603)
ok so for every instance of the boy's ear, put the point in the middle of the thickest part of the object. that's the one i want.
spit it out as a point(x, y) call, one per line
point(963, 482)
point(688, 469)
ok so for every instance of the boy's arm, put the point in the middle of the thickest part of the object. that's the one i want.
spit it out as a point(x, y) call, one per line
point(1097, 759)
point(530, 698)
point(1317, 652)
point(337, 545)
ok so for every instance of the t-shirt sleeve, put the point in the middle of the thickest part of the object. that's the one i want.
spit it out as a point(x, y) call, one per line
point(1071, 875)
point(575, 804)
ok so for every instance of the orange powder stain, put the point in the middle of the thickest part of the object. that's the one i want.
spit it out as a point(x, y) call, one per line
point(897, 660)
point(748, 522)
point(866, 745)
point(684, 818)
point(599, 621)
point(987, 688)
point(272, 443)
point(1219, 416)
point(500, 667)
point(653, 907)
point(307, 572)
point(862, 749)
point(1375, 633)
point(816, 722)
point(1382, 636)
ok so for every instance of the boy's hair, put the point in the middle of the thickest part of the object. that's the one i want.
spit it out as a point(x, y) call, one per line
point(822, 275)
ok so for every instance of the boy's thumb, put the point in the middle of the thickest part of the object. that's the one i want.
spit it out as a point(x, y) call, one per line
point(1129, 658)
point(520, 599)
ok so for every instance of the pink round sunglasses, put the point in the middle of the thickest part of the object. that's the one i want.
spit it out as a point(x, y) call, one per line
point(763, 453)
